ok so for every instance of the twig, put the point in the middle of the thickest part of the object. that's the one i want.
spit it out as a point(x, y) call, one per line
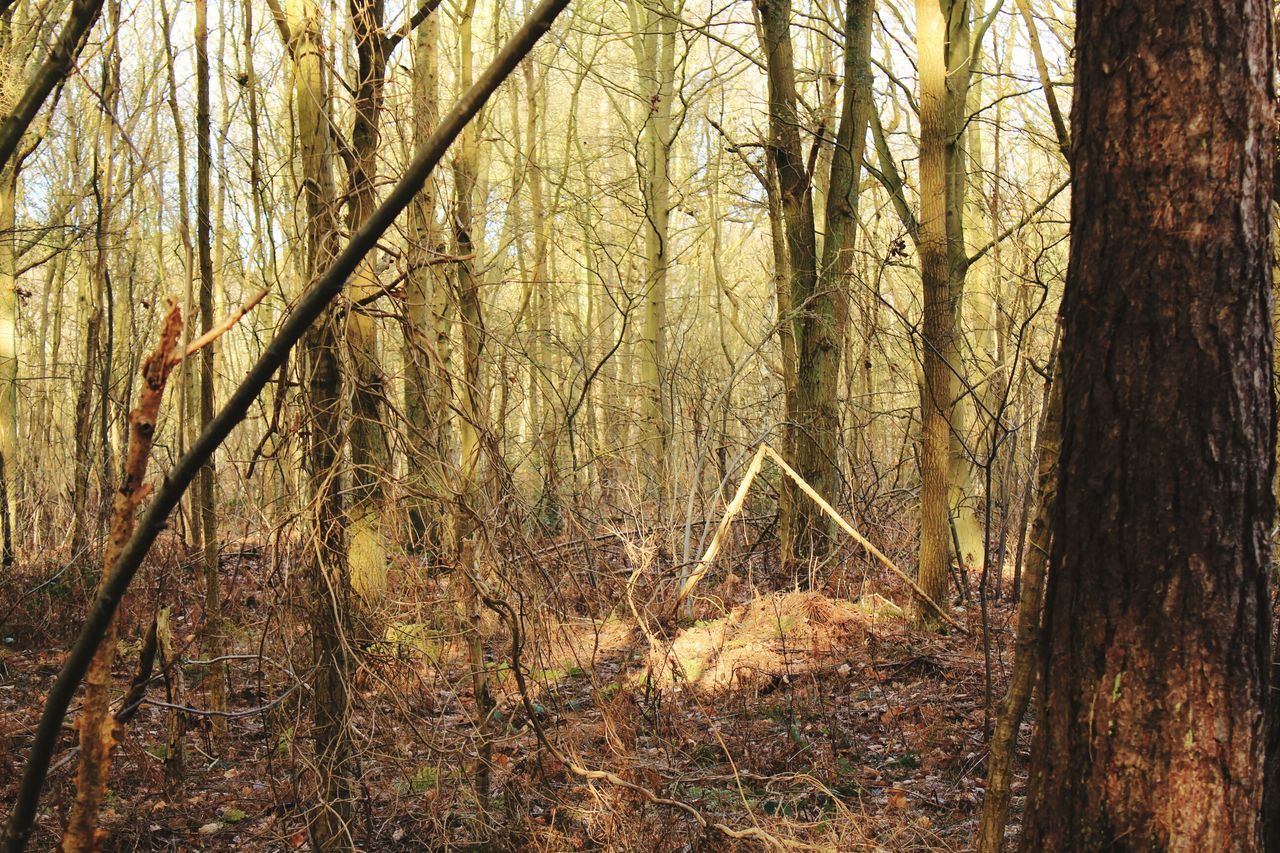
point(223, 327)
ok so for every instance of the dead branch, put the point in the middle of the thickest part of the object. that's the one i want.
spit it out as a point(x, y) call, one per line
point(98, 729)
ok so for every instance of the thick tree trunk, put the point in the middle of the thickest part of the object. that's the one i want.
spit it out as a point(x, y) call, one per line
point(1151, 731)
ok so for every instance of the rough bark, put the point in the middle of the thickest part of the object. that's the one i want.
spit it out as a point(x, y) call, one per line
point(1150, 735)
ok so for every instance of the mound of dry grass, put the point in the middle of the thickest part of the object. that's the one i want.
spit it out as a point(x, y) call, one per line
point(762, 643)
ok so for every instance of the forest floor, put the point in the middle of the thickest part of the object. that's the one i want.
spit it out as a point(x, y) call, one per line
point(816, 719)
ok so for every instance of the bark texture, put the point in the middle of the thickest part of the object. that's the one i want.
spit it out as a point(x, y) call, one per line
point(1151, 731)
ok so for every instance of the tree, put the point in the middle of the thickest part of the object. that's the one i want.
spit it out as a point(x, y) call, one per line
point(815, 305)
point(1150, 734)
point(653, 27)
point(942, 38)
point(370, 455)
point(328, 583)
point(205, 492)
point(427, 323)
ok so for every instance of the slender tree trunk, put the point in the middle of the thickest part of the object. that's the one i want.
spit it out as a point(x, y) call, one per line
point(1150, 735)
point(963, 481)
point(427, 327)
point(214, 641)
point(798, 225)
point(1004, 742)
point(370, 454)
point(824, 313)
point(787, 491)
point(465, 167)
point(329, 586)
point(8, 361)
point(98, 292)
point(654, 34)
point(542, 293)
point(939, 326)
point(187, 396)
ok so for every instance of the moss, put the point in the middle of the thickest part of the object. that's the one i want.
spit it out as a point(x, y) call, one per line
point(367, 558)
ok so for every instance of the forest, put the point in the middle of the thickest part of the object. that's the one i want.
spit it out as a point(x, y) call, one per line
point(647, 425)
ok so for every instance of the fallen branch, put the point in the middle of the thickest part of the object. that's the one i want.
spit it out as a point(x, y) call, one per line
point(739, 498)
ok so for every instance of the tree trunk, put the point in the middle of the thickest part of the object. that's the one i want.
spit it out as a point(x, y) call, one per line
point(370, 454)
point(427, 326)
point(1004, 742)
point(824, 313)
point(8, 361)
point(654, 28)
point(465, 168)
point(798, 225)
point(1150, 735)
point(327, 577)
point(939, 326)
point(213, 629)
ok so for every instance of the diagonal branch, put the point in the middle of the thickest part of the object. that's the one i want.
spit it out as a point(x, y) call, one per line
point(83, 15)
point(391, 42)
point(1017, 226)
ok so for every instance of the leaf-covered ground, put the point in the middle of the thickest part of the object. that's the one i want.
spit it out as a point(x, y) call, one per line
point(813, 718)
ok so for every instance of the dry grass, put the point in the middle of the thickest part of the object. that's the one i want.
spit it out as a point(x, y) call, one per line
point(772, 638)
